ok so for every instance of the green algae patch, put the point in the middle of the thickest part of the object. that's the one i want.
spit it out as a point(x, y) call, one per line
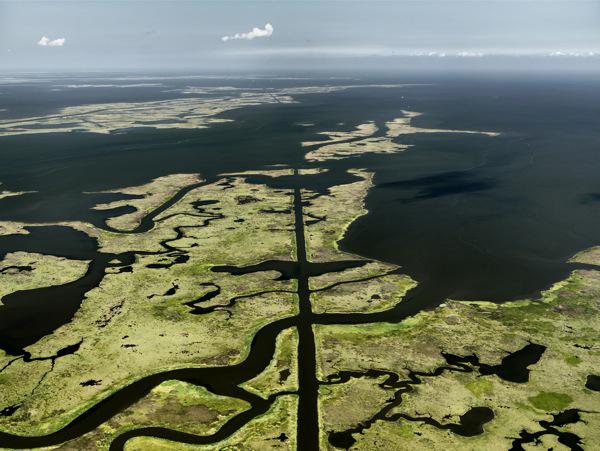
point(550, 401)
point(480, 387)
point(573, 360)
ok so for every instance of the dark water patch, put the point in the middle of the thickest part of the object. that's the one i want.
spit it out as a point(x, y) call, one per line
point(593, 382)
point(590, 198)
point(59, 241)
point(206, 296)
point(513, 368)
point(91, 383)
point(342, 439)
point(568, 439)
point(282, 437)
point(28, 315)
point(271, 210)
point(290, 269)
point(170, 292)
point(586, 347)
point(470, 423)
point(9, 410)
point(178, 260)
point(319, 182)
point(246, 199)
point(314, 219)
point(566, 417)
point(110, 197)
point(284, 375)
point(202, 203)
point(227, 183)
point(441, 185)
point(67, 350)
point(16, 269)
point(231, 302)
point(449, 190)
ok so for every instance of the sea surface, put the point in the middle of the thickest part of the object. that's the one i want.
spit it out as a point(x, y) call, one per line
point(468, 216)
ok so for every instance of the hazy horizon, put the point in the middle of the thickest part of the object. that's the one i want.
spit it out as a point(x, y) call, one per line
point(264, 36)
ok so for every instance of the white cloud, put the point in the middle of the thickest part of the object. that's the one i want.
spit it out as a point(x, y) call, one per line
point(255, 33)
point(465, 54)
point(574, 54)
point(461, 54)
point(47, 42)
point(392, 52)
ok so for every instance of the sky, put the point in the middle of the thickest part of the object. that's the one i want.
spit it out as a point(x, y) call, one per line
point(260, 36)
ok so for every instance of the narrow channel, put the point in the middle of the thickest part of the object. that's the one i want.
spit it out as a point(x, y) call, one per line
point(308, 417)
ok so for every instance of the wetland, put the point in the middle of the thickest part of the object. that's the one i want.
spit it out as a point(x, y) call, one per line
point(298, 265)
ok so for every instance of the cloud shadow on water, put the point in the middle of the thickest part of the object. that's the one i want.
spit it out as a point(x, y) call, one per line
point(590, 198)
point(441, 185)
